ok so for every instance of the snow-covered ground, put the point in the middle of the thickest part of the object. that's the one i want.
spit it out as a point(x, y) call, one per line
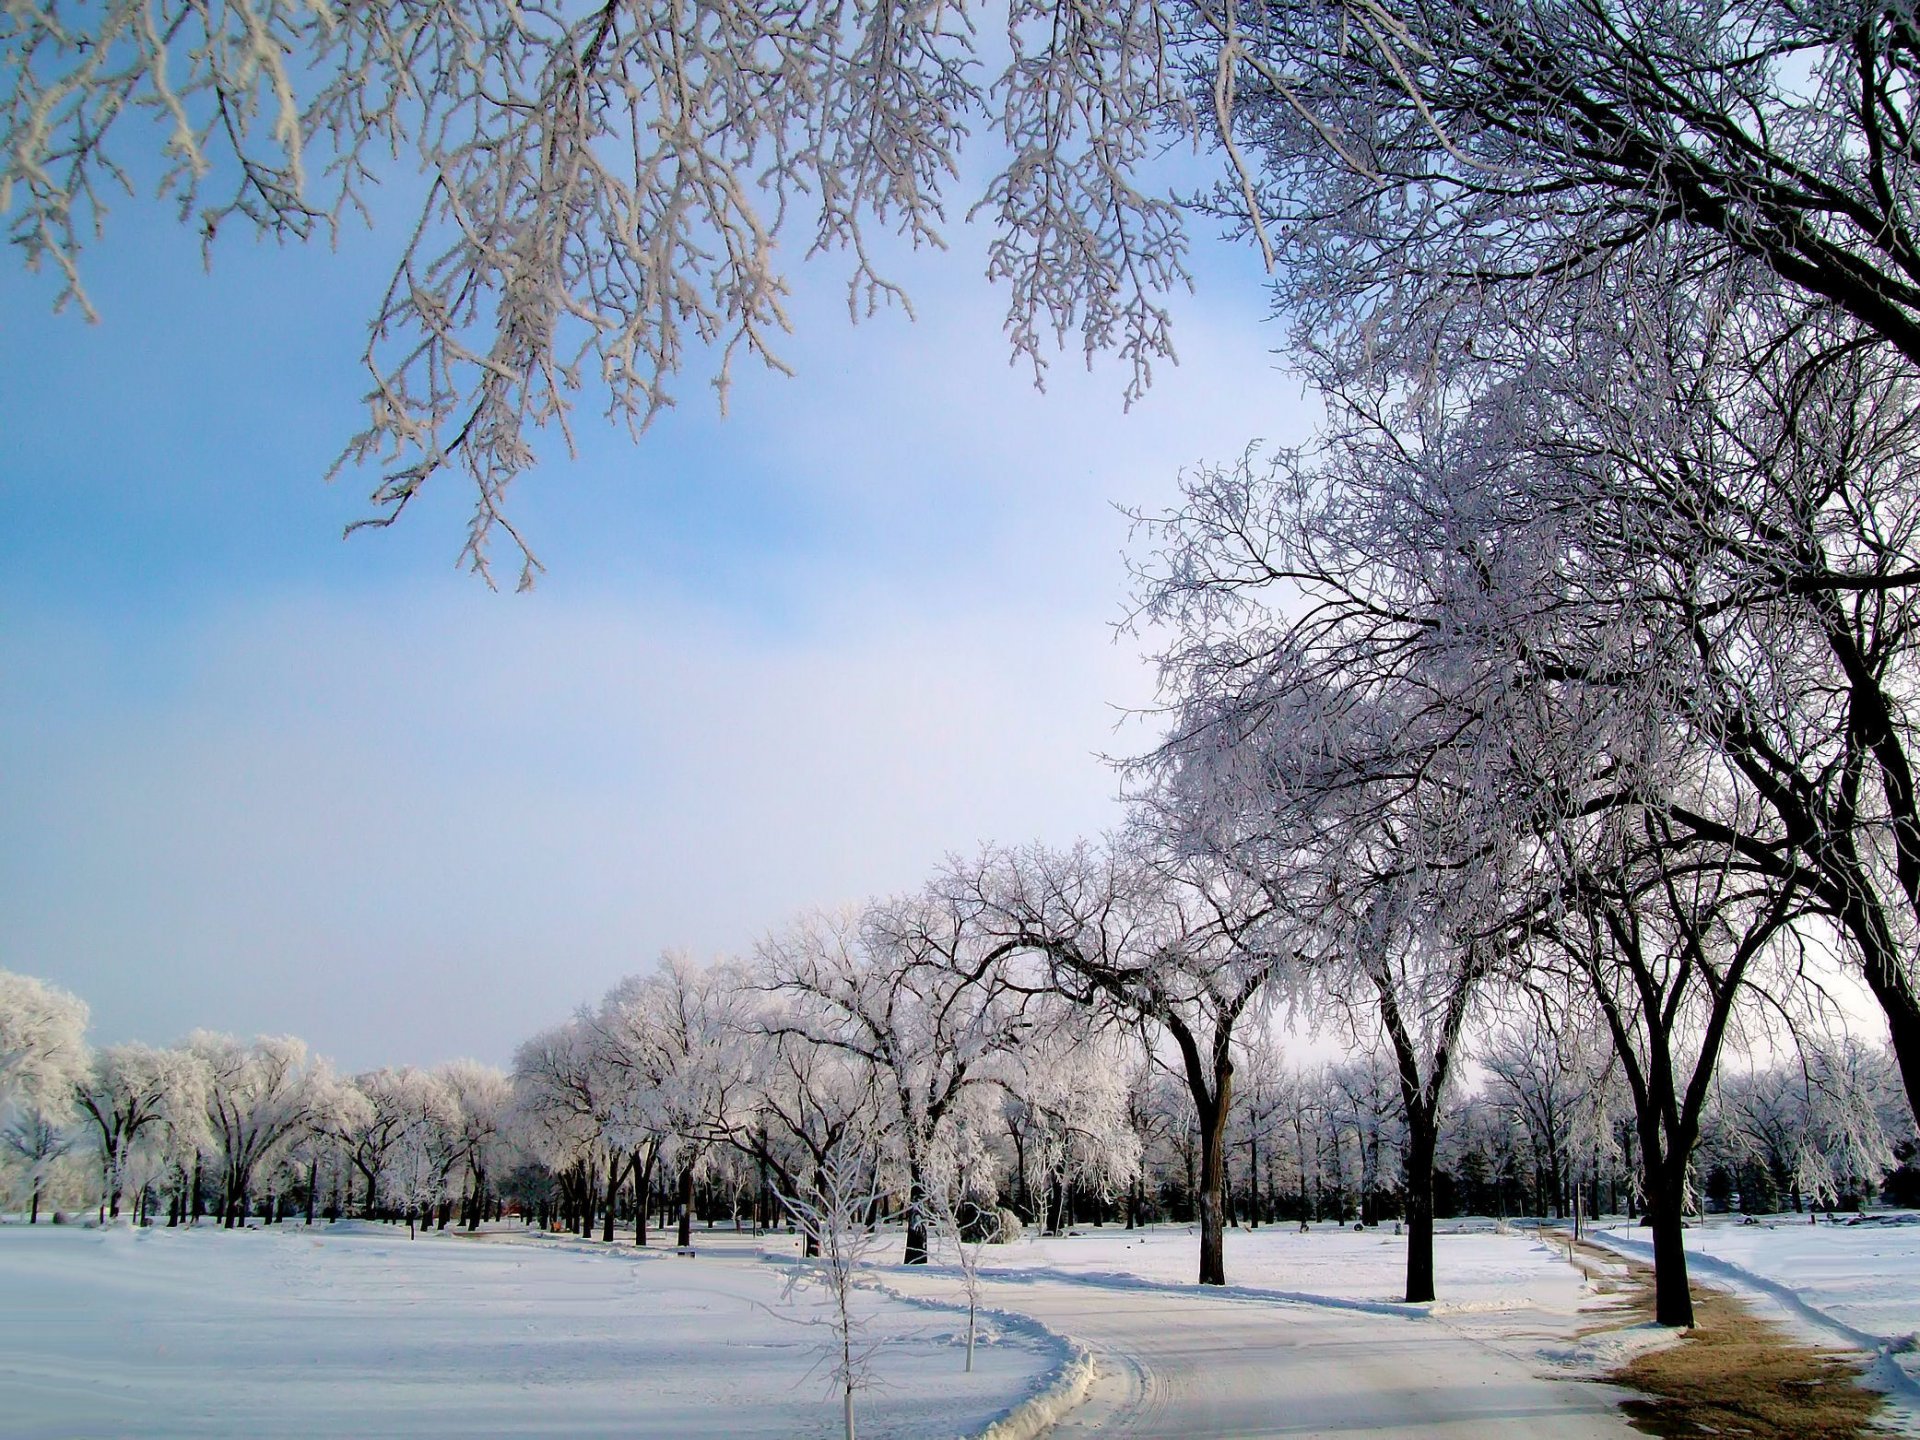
point(1851, 1284)
point(1476, 1265)
point(354, 1330)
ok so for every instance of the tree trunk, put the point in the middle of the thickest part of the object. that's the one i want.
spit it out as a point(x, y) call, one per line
point(916, 1216)
point(1253, 1181)
point(1672, 1300)
point(686, 1206)
point(1897, 1002)
point(1213, 1180)
point(614, 1177)
point(1421, 1139)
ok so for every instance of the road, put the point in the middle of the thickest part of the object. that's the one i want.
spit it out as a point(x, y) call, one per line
point(1180, 1364)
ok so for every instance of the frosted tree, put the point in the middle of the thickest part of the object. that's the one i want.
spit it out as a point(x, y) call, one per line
point(1156, 1105)
point(260, 1097)
point(43, 1050)
point(1345, 743)
point(370, 1126)
point(610, 194)
point(1660, 252)
point(420, 1165)
point(1670, 942)
point(1075, 1090)
point(1256, 1124)
point(806, 1101)
point(1616, 559)
point(1549, 1066)
point(912, 989)
point(35, 1144)
point(320, 1159)
point(837, 1221)
point(961, 1202)
point(137, 1097)
point(1426, 171)
point(1154, 940)
point(670, 1043)
point(1851, 1151)
point(481, 1097)
point(1817, 1128)
point(573, 1107)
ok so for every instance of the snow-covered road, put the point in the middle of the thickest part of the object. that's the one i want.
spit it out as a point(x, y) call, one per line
point(1181, 1363)
point(1225, 1369)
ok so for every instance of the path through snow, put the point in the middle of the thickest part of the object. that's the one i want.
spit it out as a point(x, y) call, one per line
point(1175, 1361)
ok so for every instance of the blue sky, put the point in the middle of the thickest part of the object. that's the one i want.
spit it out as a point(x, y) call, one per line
point(258, 778)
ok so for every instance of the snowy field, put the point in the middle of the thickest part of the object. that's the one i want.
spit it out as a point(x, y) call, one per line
point(1476, 1267)
point(353, 1331)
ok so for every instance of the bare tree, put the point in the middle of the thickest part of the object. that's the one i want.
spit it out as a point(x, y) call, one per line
point(915, 989)
point(1442, 167)
point(836, 1220)
point(1152, 940)
point(1668, 941)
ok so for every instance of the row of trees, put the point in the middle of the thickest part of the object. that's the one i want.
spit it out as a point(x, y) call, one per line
point(745, 1088)
point(222, 1127)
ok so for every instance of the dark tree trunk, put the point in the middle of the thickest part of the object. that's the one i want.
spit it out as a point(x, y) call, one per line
point(1421, 1139)
point(686, 1206)
point(614, 1177)
point(1672, 1298)
point(1213, 1183)
point(1897, 1001)
point(1253, 1180)
point(916, 1217)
